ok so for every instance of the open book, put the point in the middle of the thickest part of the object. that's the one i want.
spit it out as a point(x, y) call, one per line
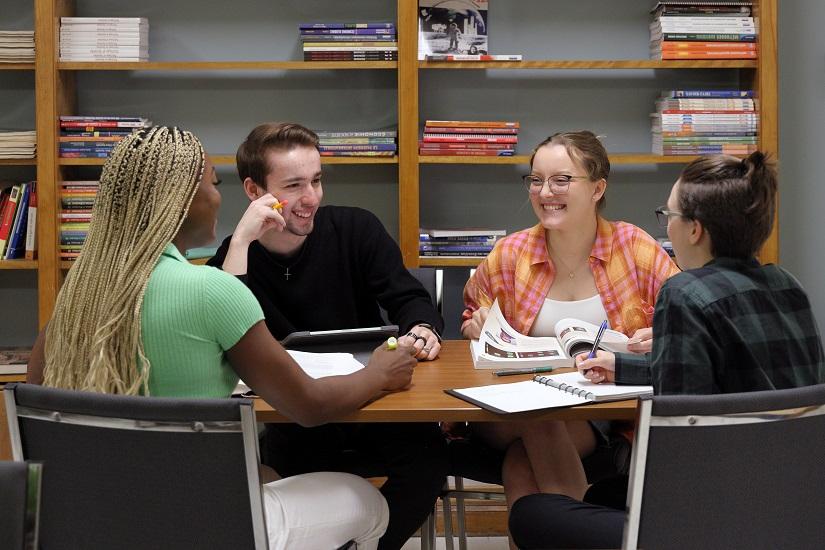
point(546, 392)
point(317, 365)
point(500, 346)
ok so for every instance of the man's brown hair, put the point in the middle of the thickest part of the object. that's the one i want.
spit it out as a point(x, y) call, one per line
point(251, 157)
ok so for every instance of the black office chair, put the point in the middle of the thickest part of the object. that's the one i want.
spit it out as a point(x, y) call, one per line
point(138, 472)
point(20, 504)
point(729, 471)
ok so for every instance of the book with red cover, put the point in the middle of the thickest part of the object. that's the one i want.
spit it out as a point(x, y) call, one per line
point(473, 130)
point(472, 123)
point(470, 138)
point(9, 210)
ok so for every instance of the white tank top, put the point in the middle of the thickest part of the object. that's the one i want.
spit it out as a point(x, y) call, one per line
point(552, 311)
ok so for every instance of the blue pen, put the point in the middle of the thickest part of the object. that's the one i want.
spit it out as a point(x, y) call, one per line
point(598, 339)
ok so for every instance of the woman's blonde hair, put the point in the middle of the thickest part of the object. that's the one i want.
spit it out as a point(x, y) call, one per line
point(94, 342)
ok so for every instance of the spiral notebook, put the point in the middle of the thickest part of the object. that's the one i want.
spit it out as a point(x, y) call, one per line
point(546, 392)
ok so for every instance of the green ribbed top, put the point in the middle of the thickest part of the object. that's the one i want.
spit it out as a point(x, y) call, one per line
point(191, 315)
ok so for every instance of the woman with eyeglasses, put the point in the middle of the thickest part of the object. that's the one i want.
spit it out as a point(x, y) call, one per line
point(572, 263)
point(726, 324)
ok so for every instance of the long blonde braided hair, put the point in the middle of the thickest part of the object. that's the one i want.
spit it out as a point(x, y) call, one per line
point(94, 342)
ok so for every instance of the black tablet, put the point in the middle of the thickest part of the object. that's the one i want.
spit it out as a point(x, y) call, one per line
point(310, 339)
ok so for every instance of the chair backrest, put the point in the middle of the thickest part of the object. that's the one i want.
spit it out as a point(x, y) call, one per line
point(140, 472)
point(433, 280)
point(20, 504)
point(729, 471)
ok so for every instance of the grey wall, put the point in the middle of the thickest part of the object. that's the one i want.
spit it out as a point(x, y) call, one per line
point(802, 144)
point(221, 107)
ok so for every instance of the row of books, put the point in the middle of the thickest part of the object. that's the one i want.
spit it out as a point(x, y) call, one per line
point(77, 198)
point(703, 30)
point(705, 122)
point(350, 41)
point(458, 242)
point(494, 138)
point(367, 143)
point(16, 46)
point(18, 144)
point(14, 360)
point(18, 220)
point(95, 136)
point(104, 39)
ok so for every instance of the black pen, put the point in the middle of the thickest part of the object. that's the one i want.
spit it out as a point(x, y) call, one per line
point(522, 371)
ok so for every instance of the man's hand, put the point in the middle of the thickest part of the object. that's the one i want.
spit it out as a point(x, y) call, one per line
point(471, 329)
point(641, 342)
point(259, 218)
point(601, 368)
point(395, 365)
point(423, 341)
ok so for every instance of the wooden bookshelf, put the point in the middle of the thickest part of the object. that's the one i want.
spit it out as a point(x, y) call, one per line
point(16, 66)
point(56, 92)
point(18, 264)
point(229, 160)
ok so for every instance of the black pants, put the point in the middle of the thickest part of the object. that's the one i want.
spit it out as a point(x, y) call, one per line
point(413, 457)
point(544, 521)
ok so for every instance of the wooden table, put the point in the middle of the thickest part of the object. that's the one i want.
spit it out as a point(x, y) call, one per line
point(426, 401)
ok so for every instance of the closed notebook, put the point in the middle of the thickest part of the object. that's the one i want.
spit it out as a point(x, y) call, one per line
point(546, 392)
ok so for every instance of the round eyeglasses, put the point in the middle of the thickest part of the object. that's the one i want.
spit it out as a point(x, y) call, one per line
point(559, 184)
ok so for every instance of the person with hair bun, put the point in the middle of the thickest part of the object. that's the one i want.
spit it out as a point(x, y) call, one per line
point(726, 324)
point(135, 318)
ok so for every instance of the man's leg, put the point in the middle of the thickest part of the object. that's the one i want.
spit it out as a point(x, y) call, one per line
point(414, 459)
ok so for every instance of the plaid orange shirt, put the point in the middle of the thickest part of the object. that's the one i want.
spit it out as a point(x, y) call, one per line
point(628, 265)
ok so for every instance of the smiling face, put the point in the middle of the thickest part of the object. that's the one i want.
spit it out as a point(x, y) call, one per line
point(295, 176)
point(564, 210)
point(201, 222)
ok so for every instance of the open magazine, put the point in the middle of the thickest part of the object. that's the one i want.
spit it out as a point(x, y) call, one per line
point(500, 346)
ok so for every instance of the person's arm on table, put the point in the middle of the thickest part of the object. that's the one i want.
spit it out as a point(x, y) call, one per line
point(265, 366)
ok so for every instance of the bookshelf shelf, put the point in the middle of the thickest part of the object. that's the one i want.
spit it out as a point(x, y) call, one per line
point(223, 65)
point(435, 261)
point(593, 64)
point(18, 264)
point(229, 160)
point(18, 162)
point(16, 66)
point(617, 158)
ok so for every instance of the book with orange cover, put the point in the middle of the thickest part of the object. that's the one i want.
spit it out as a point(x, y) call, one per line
point(469, 130)
point(689, 54)
point(469, 138)
point(472, 123)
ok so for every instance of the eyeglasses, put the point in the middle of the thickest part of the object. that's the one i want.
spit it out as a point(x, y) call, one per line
point(663, 215)
point(559, 184)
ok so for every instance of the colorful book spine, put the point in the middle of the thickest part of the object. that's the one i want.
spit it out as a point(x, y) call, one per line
point(31, 225)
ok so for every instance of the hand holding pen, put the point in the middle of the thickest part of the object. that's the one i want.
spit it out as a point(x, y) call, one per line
point(597, 366)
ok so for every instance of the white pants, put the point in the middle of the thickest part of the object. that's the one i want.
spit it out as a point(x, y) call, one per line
point(323, 511)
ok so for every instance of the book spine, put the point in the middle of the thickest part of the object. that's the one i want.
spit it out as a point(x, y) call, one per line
point(447, 138)
point(466, 153)
point(102, 124)
point(17, 237)
point(472, 123)
point(331, 26)
point(369, 133)
point(474, 146)
point(465, 130)
point(472, 57)
point(9, 210)
point(31, 225)
point(347, 45)
point(373, 147)
point(359, 31)
point(356, 140)
point(704, 37)
point(335, 38)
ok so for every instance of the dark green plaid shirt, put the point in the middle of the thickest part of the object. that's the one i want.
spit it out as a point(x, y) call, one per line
point(729, 326)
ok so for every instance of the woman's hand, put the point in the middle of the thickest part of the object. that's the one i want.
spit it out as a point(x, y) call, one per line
point(471, 329)
point(601, 368)
point(642, 341)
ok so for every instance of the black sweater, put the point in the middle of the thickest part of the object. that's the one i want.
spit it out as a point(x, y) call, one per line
point(347, 267)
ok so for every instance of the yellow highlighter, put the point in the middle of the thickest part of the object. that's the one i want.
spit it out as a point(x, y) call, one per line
point(279, 206)
point(392, 343)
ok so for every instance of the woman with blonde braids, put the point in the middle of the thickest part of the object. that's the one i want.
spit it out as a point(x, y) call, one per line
point(134, 317)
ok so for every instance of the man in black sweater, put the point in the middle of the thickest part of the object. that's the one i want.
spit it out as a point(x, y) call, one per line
point(325, 268)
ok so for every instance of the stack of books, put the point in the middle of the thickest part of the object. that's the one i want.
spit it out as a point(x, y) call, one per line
point(349, 41)
point(16, 46)
point(18, 205)
point(76, 201)
point(18, 144)
point(705, 122)
point(703, 30)
point(14, 360)
point(370, 143)
point(95, 136)
point(458, 242)
point(492, 138)
point(104, 39)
